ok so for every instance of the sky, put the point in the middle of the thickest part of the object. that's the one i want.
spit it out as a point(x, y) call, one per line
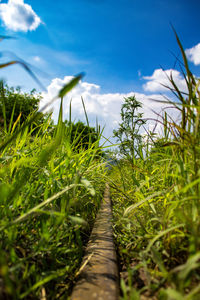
point(124, 47)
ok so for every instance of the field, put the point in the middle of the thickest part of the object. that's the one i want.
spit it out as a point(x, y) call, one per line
point(156, 204)
point(50, 192)
point(51, 186)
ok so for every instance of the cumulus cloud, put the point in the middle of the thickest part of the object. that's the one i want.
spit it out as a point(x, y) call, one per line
point(160, 79)
point(36, 58)
point(18, 16)
point(105, 106)
point(193, 54)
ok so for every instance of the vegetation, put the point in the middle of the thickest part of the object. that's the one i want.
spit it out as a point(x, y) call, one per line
point(156, 205)
point(81, 135)
point(128, 133)
point(16, 107)
point(51, 183)
point(49, 195)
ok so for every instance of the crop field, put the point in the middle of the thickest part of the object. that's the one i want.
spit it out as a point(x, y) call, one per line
point(52, 179)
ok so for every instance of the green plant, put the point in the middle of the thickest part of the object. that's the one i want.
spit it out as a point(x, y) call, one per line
point(81, 135)
point(128, 133)
point(49, 196)
point(156, 222)
point(16, 107)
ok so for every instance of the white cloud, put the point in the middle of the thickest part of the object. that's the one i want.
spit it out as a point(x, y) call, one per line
point(193, 54)
point(105, 106)
point(18, 16)
point(160, 79)
point(36, 58)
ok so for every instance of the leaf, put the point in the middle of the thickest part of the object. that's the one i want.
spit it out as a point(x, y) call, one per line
point(86, 116)
point(193, 292)
point(35, 209)
point(174, 295)
point(87, 184)
point(129, 209)
point(8, 64)
point(48, 278)
point(24, 65)
point(162, 233)
point(191, 264)
point(6, 37)
point(158, 260)
point(78, 220)
point(67, 88)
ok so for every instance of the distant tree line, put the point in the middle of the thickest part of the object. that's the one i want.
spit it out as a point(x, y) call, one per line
point(17, 106)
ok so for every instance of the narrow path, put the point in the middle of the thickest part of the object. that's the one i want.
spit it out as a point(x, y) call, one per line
point(98, 276)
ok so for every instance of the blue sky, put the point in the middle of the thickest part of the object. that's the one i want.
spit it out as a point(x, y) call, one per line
point(120, 45)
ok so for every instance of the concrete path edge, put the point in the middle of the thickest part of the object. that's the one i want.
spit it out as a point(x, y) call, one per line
point(98, 277)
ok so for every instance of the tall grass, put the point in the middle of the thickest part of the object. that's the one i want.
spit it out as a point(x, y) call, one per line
point(49, 195)
point(157, 212)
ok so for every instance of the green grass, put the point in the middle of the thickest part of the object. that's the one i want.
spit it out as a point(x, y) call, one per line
point(51, 186)
point(49, 196)
point(156, 206)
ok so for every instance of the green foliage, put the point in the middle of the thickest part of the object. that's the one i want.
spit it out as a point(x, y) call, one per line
point(16, 107)
point(82, 136)
point(157, 211)
point(49, 196)
point(128, 133)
